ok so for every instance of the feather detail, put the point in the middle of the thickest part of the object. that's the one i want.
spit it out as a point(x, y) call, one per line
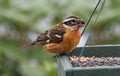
point(70, 41)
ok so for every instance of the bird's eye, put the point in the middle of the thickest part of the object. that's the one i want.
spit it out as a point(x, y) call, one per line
point(70, 23)
point(73, 22)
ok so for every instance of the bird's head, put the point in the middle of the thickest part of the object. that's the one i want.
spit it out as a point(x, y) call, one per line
point(73, 22)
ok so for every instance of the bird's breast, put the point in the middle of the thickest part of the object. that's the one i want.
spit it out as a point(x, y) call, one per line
point(70, 41)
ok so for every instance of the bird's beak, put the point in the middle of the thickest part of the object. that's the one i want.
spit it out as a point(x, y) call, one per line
point(81, 23)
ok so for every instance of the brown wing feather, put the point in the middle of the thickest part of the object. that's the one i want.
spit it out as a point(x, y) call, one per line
point(41, 39)
point(57, 34)
point(54, 35)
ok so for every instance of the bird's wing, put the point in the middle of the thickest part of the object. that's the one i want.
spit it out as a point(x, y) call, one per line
point(41, 40)
point(54, 35)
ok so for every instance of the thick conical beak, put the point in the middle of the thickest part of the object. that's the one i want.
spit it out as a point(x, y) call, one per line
point(81, 23)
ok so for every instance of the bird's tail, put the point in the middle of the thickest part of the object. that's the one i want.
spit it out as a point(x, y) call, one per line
point(29, 44)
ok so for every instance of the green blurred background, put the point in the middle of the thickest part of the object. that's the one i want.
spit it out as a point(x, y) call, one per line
point(21, 21)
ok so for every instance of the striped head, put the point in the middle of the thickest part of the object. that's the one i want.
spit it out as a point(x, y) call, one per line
point(73, 22)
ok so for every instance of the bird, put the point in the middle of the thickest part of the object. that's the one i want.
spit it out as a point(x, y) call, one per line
point(61, 38)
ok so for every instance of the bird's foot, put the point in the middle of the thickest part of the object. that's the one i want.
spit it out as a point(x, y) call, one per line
point(60, 55)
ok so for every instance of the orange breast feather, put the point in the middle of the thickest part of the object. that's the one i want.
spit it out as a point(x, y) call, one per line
point(70, 41)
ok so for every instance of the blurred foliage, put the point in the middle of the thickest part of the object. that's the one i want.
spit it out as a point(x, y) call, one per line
point(22, 20)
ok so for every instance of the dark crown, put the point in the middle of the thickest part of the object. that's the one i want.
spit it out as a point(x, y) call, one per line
point(76, 17)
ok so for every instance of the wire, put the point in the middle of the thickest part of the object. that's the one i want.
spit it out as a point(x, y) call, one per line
point(83, 48)
point(102, 4)
point(91, 16)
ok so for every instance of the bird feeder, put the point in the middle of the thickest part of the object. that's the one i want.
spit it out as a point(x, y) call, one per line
point(65, 67)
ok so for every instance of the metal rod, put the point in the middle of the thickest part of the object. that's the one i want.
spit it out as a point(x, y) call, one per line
point(83, 48)
point(91, 16)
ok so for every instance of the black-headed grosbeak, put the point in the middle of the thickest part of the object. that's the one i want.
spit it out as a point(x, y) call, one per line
point(62, 38)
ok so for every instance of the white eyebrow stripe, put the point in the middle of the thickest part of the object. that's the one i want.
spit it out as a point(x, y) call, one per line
point(68, 19)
